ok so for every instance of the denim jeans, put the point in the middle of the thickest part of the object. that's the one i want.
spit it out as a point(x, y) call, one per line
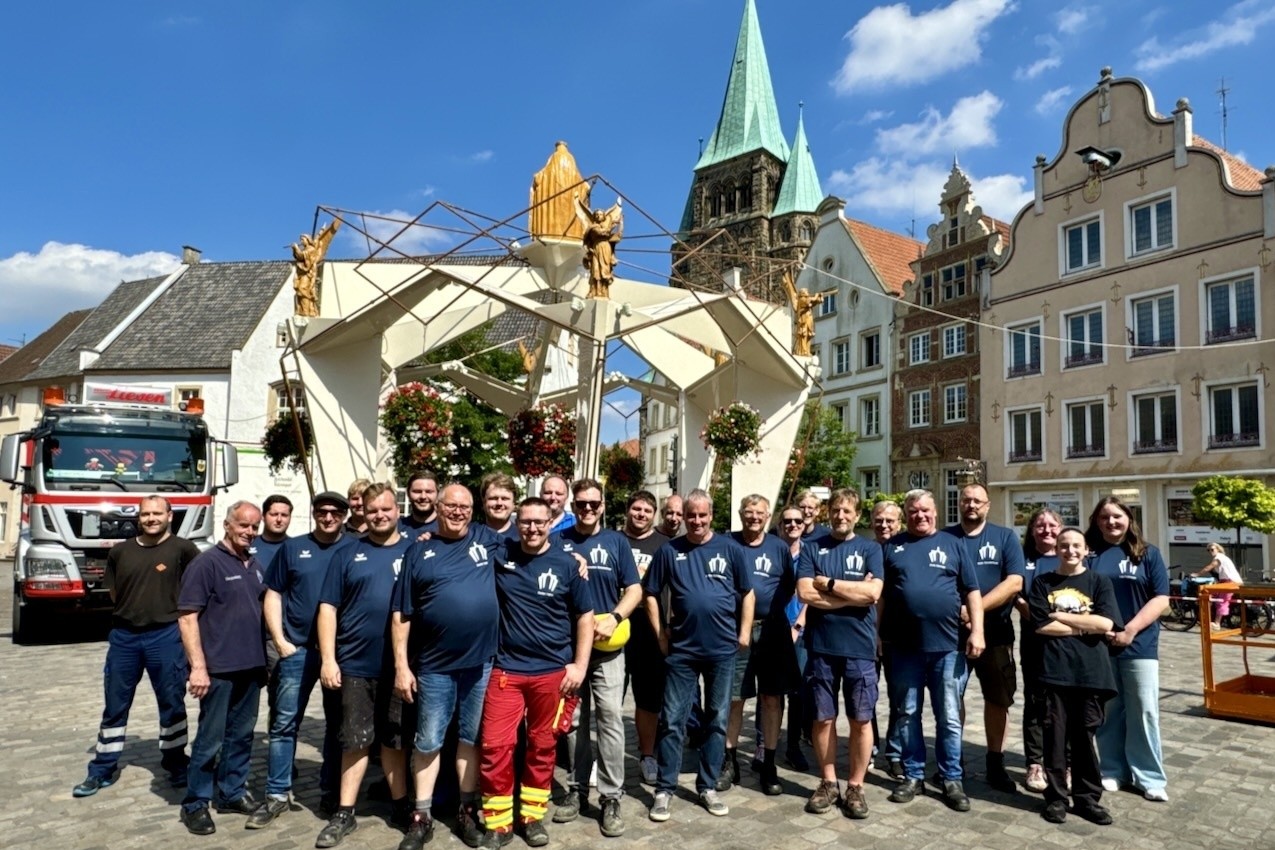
point(159, 653)
point(1129, 739)
point(291, 682)
point(223, 741)
point(440, 695)
point(944, 675)
point(680, 690)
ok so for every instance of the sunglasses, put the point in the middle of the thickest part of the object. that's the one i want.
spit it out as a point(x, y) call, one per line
point(328, 512)
point(588, 504)
point(793, 521)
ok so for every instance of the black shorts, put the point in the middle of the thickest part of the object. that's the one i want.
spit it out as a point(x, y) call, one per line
point(997, 675)
point(769, 665)
point(372, 713)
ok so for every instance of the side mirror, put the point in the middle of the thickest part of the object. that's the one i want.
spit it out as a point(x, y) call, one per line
point(10, 458)
point(229, 465)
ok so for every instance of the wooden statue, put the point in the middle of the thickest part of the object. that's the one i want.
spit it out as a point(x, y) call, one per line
point(552, 204)
point(306, 257)
point(803, 314)
point(603, 230)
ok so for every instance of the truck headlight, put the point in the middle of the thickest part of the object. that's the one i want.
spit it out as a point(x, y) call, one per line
point(45, 568)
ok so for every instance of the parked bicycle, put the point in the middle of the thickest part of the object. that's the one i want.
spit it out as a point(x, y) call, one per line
point(1183, 613)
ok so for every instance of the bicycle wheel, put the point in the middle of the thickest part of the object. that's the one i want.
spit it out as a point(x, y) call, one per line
point(1180, 617)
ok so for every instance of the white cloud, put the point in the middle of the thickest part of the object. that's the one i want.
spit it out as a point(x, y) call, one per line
point(1073, 19)
point(968, 125)
point(481, 156)
point(1050, 100)
point(1035, 69)
point(887, 187)
point(872, 116)
point(890, 46)
point(382, 227)
point(1237, 26)
point(65, 277)
point(428, 192)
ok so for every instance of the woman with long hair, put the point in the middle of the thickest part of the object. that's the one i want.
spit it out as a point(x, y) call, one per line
point(1040, 547)
point(1221, 568)
point(1129, 738)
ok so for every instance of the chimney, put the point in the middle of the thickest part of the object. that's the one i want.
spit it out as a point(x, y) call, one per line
point(1183, 134)
point(190, 256)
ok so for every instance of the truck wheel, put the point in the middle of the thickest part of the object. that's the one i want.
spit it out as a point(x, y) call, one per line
point(23, 625)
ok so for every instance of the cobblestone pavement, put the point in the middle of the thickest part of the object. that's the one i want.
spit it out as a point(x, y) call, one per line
point(1221, 781)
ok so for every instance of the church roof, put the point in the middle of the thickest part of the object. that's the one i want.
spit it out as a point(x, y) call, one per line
point(749, 119)
point(800, 190)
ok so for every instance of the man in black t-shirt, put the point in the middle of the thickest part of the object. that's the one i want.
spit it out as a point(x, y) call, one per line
point(144, 577)
point(643, 660)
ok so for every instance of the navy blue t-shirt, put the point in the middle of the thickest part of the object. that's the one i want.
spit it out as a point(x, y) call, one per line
point(265, 550)
point(360, 585)
point(997, 554)
point(850, 631)
point(1135, 584)
point(771, 571)
point(296, 574)
point(540, 598)
point(816, 530)
point(227, 594)
point(706, 583)
point(412, 528)
point(448, 590)
point(926, 579)
point(611, 565)
point(1037, 567)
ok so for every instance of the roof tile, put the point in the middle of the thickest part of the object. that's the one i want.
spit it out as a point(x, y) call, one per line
point(887, 252)
point(19, 365)
point(1243, 176)
point(121, 301)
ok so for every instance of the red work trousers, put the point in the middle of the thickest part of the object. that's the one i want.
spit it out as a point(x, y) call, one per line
point(510, 698)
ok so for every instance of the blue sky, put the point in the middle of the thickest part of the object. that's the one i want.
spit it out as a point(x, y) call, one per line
point(135, 128)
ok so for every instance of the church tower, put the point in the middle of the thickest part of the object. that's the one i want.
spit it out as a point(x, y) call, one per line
point(753, 198)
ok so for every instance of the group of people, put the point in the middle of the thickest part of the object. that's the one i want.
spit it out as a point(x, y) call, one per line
point(507, 633)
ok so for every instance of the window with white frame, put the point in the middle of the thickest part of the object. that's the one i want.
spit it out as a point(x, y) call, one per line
point(840, 356)
point(1231, 308)
point(651, 467)
point(953, 341)
point(953, 278)
point(1154, 320)
point(1082, 246)
point(919, 348)
point(1083, 331)
point(1155, 423)
point(1024, 349)
point(870, 481)
point(1151, 225)
point(663, 458)
point(870, 354)
point(1234, 416)
point(828, 305)
point(1025, 438)
point(954, 403)
point(1086, 429)
point(918, 408)
point(870, 417)
point(952, 495)
point(9, 405)
point(279, 399)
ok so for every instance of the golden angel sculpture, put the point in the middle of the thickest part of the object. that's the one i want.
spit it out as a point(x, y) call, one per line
point(803, 314)
point(603, 230)
point(306, 257)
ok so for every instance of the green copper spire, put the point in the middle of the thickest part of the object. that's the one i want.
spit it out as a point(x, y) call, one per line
point(749, 119)
point(800, 191)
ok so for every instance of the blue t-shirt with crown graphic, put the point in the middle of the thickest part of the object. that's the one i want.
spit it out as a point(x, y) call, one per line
point(926, 579)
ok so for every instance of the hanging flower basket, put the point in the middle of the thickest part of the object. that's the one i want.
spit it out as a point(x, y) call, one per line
point(418, 422)
point(733, 431)
point(280, 442)
point(542, 440)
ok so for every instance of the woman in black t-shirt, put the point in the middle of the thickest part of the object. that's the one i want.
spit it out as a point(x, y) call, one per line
point(1071, 610)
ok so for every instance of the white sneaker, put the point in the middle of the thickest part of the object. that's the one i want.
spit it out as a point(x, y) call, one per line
point(660, 807)
point(1156, 795)
point(650, 769)
point(1110, 783)
point(1036, 779)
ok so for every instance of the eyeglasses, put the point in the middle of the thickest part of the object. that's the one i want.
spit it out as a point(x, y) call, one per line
point(328, 512)
point(588, 504)
point(533, 523)
point(454, 508)
point(787, 521)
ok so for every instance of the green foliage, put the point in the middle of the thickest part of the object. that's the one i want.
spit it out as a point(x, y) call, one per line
point(280, 443)
point(733, 431)
point(542, 441)
point(1225, 501)
point(418, 422)
point(870, 502)
point(478, 432)
point(827, 460)
point(622, 473)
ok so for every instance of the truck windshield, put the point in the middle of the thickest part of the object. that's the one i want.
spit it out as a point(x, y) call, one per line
point(125, 453)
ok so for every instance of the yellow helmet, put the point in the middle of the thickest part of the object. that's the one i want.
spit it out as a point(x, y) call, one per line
point(618, 638)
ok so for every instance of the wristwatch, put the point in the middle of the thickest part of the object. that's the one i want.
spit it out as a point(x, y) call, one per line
point(618, 618)
point(832, 582)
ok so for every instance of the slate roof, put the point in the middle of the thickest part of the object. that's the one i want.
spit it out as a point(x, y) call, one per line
point(18, 365)
point(114, 308)
point(749, 120)
point(208, 313)
point(800, 191)
point(888, 253)
point(1242, 175)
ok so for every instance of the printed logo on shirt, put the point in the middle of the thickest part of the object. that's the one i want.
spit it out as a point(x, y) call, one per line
point(478, 553)
point(898, 547)
point(717, 566)
point(1127, 570)
point(823, 551)
point(427, 554)
point(643, 561)
point(398, 566)
point(938, 558)
point(1068, 600)
point(547, 583)
point(681, 556)
point(233, 577)
point(360, 558)
point(1030, 566)
point(855, 564)
point(987, 552)
point(305, 553)
point(598, 556)
point(159, 568)
point(762, 565)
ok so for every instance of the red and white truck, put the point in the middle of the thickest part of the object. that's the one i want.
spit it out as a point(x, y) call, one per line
point(83, 470)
